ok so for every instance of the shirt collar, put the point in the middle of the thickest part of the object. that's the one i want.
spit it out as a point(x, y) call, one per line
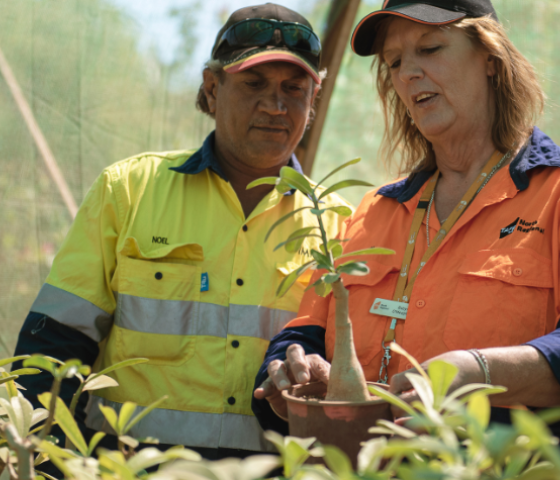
point(205, 158)
point(540, 151)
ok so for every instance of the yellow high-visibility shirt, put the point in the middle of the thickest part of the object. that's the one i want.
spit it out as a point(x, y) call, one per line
point(162, 263)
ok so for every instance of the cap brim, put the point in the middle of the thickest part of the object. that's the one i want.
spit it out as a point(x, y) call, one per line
point(364, 34)
point(272, 55)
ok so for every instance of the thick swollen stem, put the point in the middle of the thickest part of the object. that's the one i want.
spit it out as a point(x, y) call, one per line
point(346, 380)
point(24, 451)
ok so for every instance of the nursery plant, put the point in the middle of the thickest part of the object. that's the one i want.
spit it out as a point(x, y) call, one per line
point(347, 381)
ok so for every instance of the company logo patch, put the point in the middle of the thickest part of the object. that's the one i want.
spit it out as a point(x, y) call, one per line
point(376, 305)
point(522, 226)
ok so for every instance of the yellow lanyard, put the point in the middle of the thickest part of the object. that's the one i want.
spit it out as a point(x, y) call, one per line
point(405, 283)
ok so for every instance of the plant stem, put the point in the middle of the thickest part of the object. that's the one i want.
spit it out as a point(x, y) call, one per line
point(73, 404)
point(55, 390)
point(346, 381)
point(324, 235)
point(24, 451)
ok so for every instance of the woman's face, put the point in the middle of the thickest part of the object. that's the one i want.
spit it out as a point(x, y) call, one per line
point(441, 78)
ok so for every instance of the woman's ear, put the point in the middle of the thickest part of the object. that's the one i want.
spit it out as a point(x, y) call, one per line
point(210, 83)
point(491, 66)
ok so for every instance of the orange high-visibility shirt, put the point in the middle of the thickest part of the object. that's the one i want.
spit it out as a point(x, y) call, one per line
point(494, 281)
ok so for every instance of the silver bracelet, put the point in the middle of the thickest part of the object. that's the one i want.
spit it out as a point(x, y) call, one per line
point(481, 358)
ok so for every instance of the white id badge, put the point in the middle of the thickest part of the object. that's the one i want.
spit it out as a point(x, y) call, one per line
point(389, 308)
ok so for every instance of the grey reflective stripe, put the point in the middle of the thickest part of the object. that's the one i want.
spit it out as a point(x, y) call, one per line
point(74, 311)
point(255, 321)
point(171, 317)
point(192, 429)
point(174, 317)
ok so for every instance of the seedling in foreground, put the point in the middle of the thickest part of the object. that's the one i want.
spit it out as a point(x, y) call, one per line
point(347, 381)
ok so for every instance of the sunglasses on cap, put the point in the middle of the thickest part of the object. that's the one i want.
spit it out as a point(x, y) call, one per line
point(259, 32)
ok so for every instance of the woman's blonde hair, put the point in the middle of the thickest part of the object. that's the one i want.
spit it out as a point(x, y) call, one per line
point(518, 95)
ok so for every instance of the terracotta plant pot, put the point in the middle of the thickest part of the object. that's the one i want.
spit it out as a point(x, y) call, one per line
point(343, 424)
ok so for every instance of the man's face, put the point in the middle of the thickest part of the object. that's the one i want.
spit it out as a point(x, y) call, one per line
point(261, 113)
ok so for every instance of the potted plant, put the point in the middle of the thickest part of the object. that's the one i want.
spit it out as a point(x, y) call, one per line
point(340, 413)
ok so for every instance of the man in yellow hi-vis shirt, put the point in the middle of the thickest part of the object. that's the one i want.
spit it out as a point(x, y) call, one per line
point(166, 258)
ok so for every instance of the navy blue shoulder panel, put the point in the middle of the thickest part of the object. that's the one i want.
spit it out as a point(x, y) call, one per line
point(541, 151)
point(406, 188)
point(312, 339)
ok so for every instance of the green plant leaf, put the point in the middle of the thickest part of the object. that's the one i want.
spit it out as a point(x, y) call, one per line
point(323, 289)
point(125, 414)
point(7, 361)
point(314, 211)
point(41, 362)
point(8, 378)
point(294, 244)
point(291, 278)
point(283, 219)
point(423, 387)
point(466, 390)
point(297, 180)
point(110, 415)
point(386, 426)
point(129, 441)
point(25, 371)
point(56, 456)
point(395, 347)
point(370, 456)
point(282, 186)
point(338, 461)
point(320, 258)
point(358, 269)
point(344, 184)
point(551, 415)
point(336, 251)
point(441, 375)
point(338, 169)
point(145, 412)
point(341, 210)
point(99, 382)
point(65, 420)
point(262, 181)
point(370, 251)
point(117, 366)
point(392, 399)
point(97, 437)
point(330, 277)
point(84, 370)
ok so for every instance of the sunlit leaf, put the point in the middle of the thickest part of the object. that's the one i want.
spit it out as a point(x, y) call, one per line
point(25, 371)
point(41, 362)
point(463, 393)
point(296, 179)
point(442, 375)
point(282, 186)
point(478, 408)
point(84, 370)
point(7, 361)
point(323, 289)
point(423, 388)
point(117, 366)
point(9, 378)
point(39, 414)
point(97, 437)
point(394, 429)
point(341, 210)
point(370, 455)
point(129, 441)
point(358, 269)
point(65, 421)
point(320, 258)
point(145, 412)
point(344, 184)
point(291, 278)
point(551, 415)
point(283, 219)
point(395, 347)
point(56, 456)
point(338, 169)
point(392, 399)
point(336, 251)
point(262, 181)
point(110, 415)
point(125, 414)
point(337, 461)
point(99, 382)
point(370, 251)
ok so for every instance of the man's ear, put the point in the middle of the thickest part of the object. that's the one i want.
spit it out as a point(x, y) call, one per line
point(211, 84)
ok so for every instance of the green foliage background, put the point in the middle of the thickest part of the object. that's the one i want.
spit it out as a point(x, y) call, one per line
point(99, 98)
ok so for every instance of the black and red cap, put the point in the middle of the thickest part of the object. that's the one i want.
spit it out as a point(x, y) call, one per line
point(236, 59)
point(430, 12)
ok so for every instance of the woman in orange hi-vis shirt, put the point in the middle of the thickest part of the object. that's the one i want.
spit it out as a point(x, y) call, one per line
point(475, 226)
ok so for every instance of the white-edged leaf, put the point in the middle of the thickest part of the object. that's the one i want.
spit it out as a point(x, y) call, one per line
point(100, 382)
point(392, 399)
point(110, 415)
point(423, 388)
point(395, 347)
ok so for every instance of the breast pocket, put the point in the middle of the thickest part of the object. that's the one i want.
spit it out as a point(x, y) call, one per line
point(158, 306)
point(501, 299)
point(368, 328)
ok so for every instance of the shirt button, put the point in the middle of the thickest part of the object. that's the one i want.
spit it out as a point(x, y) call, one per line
point(245, 228)
point(518, 272)
point(235, 344)
point(231, 400)
point(239, 282)
point(158, 275)
point(420, 303)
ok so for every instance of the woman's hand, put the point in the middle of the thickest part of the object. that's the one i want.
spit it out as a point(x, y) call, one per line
point(297, 368)
point(470, 371)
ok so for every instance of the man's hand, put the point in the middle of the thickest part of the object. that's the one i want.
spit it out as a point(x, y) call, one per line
point(469, 372)
point(297, 368)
